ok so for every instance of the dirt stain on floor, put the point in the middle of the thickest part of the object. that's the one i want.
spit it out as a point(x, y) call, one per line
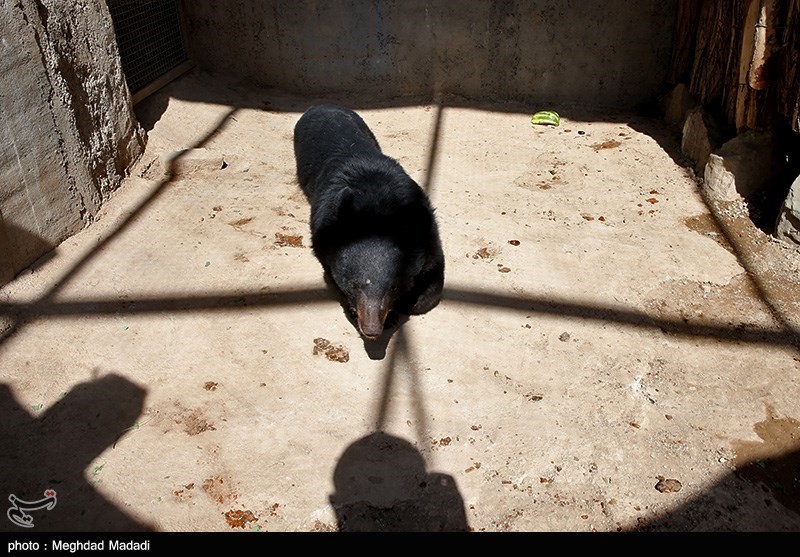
point(775, 461)
point(288, 240)
point(239, 518)
point(219, 489)
point(195, 424)
point(704, 224)
point(241, 222)
point(609, 144)
point(483, 253)
point(736, 305)
point(185, 490)
point(335, 353)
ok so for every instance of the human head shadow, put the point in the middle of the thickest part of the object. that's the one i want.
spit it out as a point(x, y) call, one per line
point(54, 450)
point(381, 485)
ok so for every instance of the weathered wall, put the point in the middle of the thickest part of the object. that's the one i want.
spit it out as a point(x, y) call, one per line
point(595, 52)
point(67, 131)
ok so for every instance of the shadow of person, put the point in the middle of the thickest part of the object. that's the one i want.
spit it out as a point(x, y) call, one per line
point(381, 485)
point(53, 452)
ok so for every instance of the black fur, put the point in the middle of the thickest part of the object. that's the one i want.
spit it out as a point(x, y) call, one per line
point(372, 227)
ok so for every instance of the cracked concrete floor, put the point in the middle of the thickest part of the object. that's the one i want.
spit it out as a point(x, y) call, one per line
point(611, 353)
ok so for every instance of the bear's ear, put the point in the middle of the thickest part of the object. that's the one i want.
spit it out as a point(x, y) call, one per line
point(344, 203)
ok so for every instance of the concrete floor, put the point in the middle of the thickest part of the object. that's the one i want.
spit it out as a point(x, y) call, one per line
point(611, 353)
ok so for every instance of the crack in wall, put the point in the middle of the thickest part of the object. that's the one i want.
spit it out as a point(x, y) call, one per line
point(50, 91)
point(69, 124)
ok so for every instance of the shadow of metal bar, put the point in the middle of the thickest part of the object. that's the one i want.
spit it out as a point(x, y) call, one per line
point(310, 295)
point(565, 308)
point(417, 398)
point(382, 416)
point(401, 360)
point(433, 150)
point(171, 304)
point(134, 214)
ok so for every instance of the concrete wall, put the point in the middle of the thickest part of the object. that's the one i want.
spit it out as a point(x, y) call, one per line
point(67, 130)
point(606, 53)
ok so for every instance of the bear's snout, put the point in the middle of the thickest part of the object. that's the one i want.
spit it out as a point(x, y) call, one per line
point(371, 313)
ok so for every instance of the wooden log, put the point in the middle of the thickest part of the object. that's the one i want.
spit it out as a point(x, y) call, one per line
point(715, 72)
point(683, 41)
point(745, 99)
point(765, 42)
point(789, 80)
point(745, 59)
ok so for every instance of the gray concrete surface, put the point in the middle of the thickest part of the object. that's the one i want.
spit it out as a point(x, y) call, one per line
point(598, 53)
point(611, 352)
point(67, 131)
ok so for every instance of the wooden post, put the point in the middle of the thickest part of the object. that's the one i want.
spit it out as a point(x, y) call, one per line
point(752, 41)
point(789, 82)
point(683, 41)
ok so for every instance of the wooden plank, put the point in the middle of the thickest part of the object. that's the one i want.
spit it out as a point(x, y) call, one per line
point(171, 75)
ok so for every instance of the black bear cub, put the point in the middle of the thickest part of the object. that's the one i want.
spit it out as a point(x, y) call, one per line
point(372, 227)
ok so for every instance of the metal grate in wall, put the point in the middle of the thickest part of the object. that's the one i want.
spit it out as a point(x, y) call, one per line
point(149, 38)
